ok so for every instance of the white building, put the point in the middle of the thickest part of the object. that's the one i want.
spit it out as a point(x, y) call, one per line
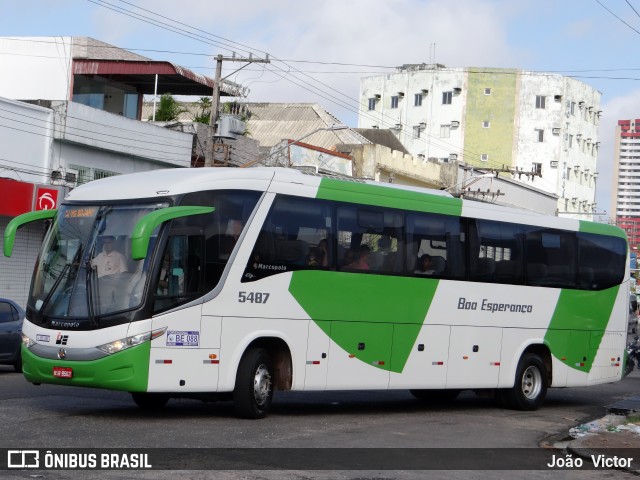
point(539, 129)
point(70, 113)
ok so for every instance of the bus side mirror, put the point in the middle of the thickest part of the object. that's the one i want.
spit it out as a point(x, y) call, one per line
point(147, 224)
point(20, 220)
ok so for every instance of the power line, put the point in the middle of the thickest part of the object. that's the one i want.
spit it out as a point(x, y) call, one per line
point(600, 3)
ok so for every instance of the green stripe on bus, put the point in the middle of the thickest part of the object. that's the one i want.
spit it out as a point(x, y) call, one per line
point(381, 196)
point(602, 229)
point(578, 325)
point(360, 312)
point(127, 370)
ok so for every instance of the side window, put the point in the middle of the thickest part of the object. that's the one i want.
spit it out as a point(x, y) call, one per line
point(497, 252)
point(369, 239)
point(551, 258)
point(297, 235)
point(601, 261)
point(435, 246)
point(6, 313)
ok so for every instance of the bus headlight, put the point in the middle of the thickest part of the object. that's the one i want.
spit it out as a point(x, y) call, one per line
point(27, 342)
point(124, 343)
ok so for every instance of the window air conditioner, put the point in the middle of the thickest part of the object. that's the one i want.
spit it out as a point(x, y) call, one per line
point(71, 177)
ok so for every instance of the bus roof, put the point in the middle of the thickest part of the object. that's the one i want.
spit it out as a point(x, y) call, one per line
point(177, 181)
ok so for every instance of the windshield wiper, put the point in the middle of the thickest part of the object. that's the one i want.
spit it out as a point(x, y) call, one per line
point(47, 299)
point(90, 285)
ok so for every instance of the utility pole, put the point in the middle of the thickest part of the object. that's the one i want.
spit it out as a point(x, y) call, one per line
point(215, 101)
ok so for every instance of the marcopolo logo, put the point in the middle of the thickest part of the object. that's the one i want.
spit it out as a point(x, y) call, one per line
point(23, 459)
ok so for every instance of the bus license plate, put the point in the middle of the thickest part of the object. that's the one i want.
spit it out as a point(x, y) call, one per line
point(62, 372)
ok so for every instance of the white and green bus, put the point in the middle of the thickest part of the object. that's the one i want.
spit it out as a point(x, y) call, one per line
point(232, 283)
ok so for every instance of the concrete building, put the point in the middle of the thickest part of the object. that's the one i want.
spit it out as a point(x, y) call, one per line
point(539, 130)
point(625, 191)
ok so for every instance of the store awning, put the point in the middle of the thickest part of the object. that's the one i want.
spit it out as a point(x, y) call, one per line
point(141, 75)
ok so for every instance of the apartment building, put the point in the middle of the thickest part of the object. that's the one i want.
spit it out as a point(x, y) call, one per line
point(538, 129)
point(625, 191)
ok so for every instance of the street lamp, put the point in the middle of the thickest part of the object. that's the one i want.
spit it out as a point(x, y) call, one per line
point(330, 128)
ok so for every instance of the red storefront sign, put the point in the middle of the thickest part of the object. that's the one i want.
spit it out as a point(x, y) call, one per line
point(18, 197)
point(46, 198)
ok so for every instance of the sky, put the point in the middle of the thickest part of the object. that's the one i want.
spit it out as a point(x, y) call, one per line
point(319, 49)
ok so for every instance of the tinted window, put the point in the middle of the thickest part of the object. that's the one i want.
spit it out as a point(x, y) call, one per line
point(439, 237)
point(297, 235)
point(369, 239)
point(496, 252)
point(601, 261)
point(551, 258)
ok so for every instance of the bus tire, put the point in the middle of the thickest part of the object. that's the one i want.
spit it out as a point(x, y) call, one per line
point(253, 392)
point(530, 388)
point(436, 396)
point(150, 401)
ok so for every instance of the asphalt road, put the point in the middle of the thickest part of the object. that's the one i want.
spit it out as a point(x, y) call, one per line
point(58, 417)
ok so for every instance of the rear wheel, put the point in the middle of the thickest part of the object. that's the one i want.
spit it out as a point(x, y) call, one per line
point(530, 388)
point(150, 401)
point(436, 396)
point(253, 393)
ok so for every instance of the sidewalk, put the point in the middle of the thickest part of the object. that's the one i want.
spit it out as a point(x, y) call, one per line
point(618, 433)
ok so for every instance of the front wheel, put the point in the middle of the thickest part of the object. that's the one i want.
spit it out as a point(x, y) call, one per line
point(530, 388)
point(253, 393)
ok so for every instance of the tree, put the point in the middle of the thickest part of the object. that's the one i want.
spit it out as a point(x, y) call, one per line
point(168, 109)
point(204, 110)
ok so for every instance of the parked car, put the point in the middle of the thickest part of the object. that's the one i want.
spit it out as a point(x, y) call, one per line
point(11, 317)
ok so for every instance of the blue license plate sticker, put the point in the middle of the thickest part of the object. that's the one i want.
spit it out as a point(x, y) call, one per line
point(183, 339)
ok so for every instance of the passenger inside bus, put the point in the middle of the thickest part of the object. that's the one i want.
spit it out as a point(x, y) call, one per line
point(425, 265)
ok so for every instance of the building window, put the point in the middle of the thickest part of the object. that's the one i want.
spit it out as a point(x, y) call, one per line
point(484, 157)
point(572, 108)
point(445, 131)
point(487, 91)
point(446, 98)
point(394, 101)
point(417, 100)
point(416, 131)
point(372, 103)
point(539, 134)
point(486, 124)
point(537, 168)
point(570, 141)
point(540, 101)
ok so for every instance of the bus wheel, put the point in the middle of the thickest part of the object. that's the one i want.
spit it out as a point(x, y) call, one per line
point(253, 393)
point(436, 396)
point(530, 388)
point(150, 401)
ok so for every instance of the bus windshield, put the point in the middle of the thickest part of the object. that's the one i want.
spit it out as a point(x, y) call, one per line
point(85, 269)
